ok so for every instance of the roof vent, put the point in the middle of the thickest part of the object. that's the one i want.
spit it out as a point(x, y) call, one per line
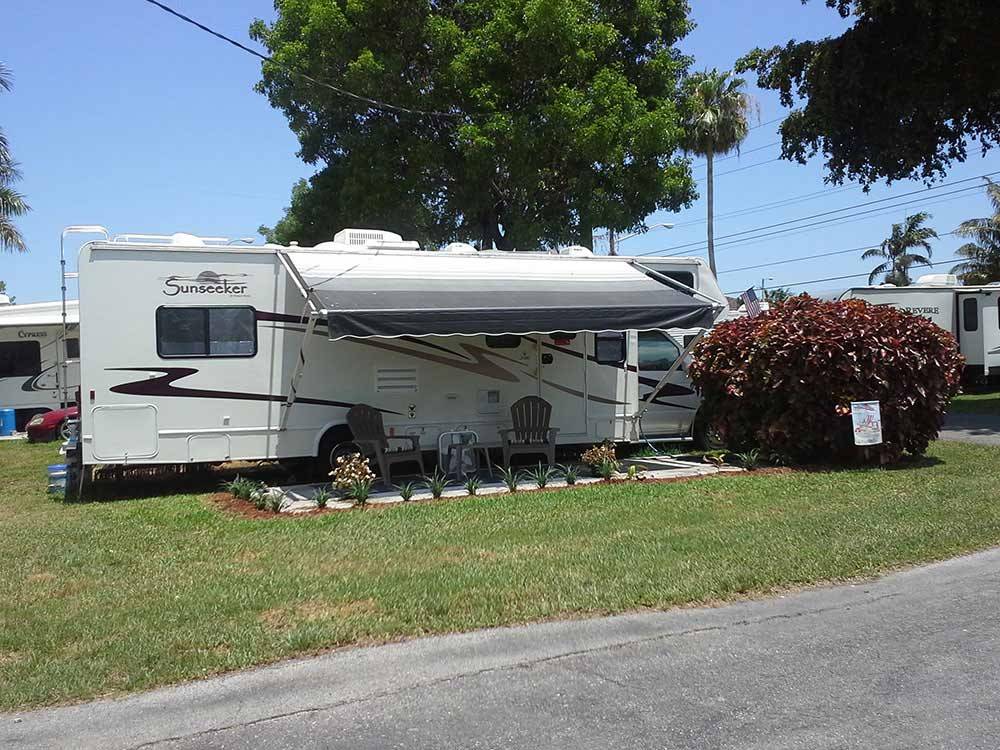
point(363, 237)
point(578, 251)
point(185, 239)
point(4, 300)
point(459, 248)
point(938, 279)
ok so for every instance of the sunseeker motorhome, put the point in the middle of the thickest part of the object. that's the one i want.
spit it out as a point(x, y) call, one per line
point(967, 312)
point(200, 351)
point(39, 369)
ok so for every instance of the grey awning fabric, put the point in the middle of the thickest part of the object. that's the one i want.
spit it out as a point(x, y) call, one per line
point(466, 296)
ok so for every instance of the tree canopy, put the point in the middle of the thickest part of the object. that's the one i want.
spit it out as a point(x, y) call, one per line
point(982, 254)
point(896, 250)
point(898, 95)
point(548, 118)
point(12, 203)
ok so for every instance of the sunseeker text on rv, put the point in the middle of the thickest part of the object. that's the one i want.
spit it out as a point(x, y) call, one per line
point(175, 287)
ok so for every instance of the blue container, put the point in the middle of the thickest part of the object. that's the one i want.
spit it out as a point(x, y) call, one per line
point(7, 422)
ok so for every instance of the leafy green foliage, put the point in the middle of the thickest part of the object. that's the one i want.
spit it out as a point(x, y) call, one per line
point(570, 472)
point(607, 469)
point(240, 487)
point(436, 482)
point(361, 490)
point(896, 250)
point(472, 484)
point(558, 116)
point(322, 497)
point(784, 381)
point(541, 475)
point(12, 203)
point(274, 501)
point(899, 94)
point(983, 253)
point(406, 491)
point(510, 478)
point(749, 460)
point(777, 295)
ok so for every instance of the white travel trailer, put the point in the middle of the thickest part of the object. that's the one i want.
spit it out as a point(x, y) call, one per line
point(967, 312)
point(39, 368)
point(201, 351)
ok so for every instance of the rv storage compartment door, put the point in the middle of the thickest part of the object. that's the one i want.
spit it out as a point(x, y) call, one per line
point(124, 433)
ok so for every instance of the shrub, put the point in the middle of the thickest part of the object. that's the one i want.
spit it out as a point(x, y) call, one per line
point(239, 487)
point(606, 469)
point(541, 475)
point(406, 491)
point(570, 473)
point(350, 469)
point(750, 460)
point(273, 500)
point(784, 381)
point(321, 497)
point(436, 483)
point(360, 490)
point(472, 484)
point(600, 454)
point(510, 478)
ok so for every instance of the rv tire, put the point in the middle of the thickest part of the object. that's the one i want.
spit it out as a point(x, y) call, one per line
point(705, 436)
point(334, 443)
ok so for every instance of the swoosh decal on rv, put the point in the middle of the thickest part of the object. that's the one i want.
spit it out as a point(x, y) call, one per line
point(164, 386)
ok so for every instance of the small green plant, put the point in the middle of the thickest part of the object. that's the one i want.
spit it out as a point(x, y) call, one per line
point(607, 469)
point(361, 490)
point(273, 500)
point(240, 488)
point(510, 478)
point(258, 495)
point(436, 483)
point(472, 484)
point(322, 497)
point(406, 490)
point(541, 475)
point(716, 458)
point(750, 460)
point(633, 472)
point(570, 473)
point(600, 454)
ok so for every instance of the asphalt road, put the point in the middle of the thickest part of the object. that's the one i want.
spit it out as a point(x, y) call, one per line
point(909, 661)
point(972, 428)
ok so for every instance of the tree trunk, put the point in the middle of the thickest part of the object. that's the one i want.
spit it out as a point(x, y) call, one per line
point(711, 212)
point(612, 242)
point(585, 232)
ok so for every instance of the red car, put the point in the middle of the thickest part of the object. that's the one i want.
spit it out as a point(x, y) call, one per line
point(51, 425)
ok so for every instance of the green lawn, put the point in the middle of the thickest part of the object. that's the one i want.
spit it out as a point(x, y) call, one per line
point(976, 403)
point(124, 595)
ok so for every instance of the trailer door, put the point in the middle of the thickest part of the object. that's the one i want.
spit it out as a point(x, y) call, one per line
point(563, 382)
point(990, 318)
point(970, 328)
point(672, 411)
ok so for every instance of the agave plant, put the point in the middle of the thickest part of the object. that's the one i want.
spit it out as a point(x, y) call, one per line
point(749, 460)
point(436, 482)
point(472, 484)
point(239, 487)
point(607, 469)
point(510, 478)
point(570, 473)
point(361, 490)
point(541, 475)
point(321, 497)
point(406, 490)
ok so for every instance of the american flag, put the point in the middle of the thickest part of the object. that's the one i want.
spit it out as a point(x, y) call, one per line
point(751, 303)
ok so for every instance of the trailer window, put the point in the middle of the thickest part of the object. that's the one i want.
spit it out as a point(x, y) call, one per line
point(20, 359)
point(656, 351)
point(72, 348)
point(970, 314)
point(684, 277)
point(206, 332)
point(609, 348)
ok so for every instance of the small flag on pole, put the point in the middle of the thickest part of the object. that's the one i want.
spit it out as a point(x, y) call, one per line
point(750, 303)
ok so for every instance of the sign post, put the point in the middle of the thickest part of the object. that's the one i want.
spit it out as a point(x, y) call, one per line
point(867, 419)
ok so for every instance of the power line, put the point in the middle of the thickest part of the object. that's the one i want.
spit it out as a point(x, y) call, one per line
point(742, 169)
point(765, 124)
point(854, 275)
point(343, 92)
point(764, 207)
point(922, 191)
point(738, 154)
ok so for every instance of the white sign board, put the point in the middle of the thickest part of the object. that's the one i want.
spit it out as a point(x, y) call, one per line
point(867, 418)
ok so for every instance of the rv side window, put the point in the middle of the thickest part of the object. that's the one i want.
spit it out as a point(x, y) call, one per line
point(206, 332)
point(72, 348)
point(609, 348)
point(970, 314)
point(503, 342)
point(656, 351)
point(20, 359)
point(684, 277)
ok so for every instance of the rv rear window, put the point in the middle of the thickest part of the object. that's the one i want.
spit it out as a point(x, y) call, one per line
point(503, 342)
point(20, 359)
point(684, 277)
point(206, 332)
point(72, 348)
point(609, 348)
point(970, 314)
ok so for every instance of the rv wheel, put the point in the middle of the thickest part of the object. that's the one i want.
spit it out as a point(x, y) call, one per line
point(335, 443)
point(706, 437)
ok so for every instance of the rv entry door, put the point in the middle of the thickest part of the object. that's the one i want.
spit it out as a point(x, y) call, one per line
point(562, 380)
point(672, 411)
point(974, 335)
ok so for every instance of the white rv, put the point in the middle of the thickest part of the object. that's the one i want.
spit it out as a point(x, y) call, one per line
point(39, 368)
point(200, 351)
point(967, 312)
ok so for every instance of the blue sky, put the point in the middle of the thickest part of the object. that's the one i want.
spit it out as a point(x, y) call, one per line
point(126, 117)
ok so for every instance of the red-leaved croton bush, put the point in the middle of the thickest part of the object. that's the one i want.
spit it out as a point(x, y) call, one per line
point(784, 381)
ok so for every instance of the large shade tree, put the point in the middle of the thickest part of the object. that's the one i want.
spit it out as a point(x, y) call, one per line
point(717, 111)
point(897, 250)
point(537, 121)
point(982, 254)
point(12, 204)
point(902, 93)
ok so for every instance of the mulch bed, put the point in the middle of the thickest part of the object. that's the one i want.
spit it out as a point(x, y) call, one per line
point(245, 509)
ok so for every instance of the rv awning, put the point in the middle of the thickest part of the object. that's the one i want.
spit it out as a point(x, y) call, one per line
point(440, 294)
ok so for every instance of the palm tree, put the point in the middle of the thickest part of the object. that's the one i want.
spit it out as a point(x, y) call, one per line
point(895, 250)
point(717, 121)
point(983, 253)
point(11, 202)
